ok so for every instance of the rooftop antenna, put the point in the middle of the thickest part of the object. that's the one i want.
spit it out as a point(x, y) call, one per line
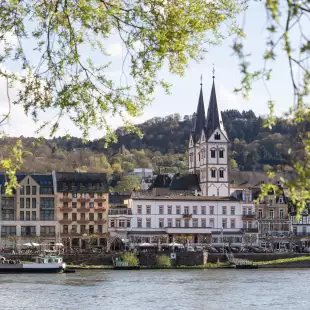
point(213, 72)
point(201, 80)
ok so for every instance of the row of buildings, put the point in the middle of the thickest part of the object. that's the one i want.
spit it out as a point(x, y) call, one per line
point(211, 203)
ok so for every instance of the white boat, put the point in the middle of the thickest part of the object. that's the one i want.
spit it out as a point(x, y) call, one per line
point(42, 264)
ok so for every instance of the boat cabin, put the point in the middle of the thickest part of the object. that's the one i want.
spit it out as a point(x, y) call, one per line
point(49, 260)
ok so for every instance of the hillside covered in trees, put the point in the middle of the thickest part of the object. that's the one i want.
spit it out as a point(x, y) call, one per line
point(163, 146)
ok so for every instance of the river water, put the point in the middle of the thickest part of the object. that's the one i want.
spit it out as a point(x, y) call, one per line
point(158, 289)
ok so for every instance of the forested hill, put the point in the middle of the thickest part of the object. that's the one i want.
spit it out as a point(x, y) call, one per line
point(164, 144)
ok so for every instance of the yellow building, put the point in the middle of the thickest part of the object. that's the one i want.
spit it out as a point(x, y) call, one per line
point(29, 214)
point(82, 208)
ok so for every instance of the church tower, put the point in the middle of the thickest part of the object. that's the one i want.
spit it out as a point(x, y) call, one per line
point(208, 148)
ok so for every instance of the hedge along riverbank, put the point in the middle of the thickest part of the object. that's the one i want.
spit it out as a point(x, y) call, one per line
point(283, 260)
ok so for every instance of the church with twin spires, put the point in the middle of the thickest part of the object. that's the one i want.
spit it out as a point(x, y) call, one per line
point(208, 148)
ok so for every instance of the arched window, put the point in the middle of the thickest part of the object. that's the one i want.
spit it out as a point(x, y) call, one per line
point(191, 157)
point(217, 136)
point(213, 173)
point(221, 153)
point(221, 173)
point(213, 153)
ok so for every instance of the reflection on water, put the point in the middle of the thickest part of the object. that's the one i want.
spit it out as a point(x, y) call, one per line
point(156, 289)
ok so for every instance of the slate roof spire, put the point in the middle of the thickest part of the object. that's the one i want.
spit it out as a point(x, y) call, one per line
point(200, 117)
point(214, 119)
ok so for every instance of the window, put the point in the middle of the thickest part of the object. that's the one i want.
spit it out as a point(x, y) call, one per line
point(169, 222)
point(28, 230)
point(221, 153)
point(244, 211)
point(28, 203)
point(169, 210)
point(139, 223)
point(74, 204)
point(217, 136)
point(281, 213)
point(112, 223)
point(224, 210)
point(27, 190)
point(213, 173)
point(232, 210)
point(139, 209)
point(34, 216)
point(8, 209)
point(161, 209)
point(249, 211)
point(8, 231)
point(195, 210)
point(22, 203)
point(221, 173)
point(74, 229)
point(224, 223)
point(34, 203)
point(249, 225)
point(83, 229)
point(195, 223)
point(65, 216)
point(148, 209)
point(83, 217)
point(185, 210)
point(91, 205)
point(122, 223)
point(92, 195)
point(99, 204)
point(178, 210)
point(83, 206)
point(65, 205)
point(21, 215)
point(211, 210)
point(22, 190)
point(211, 223)
point(99, 216)
point(27, 215)
point(34, 190)
point(47, 231)
point(161, 223)
point(148, 223)
point(212, 153)
point(65, 194)
point(203, 223)
point(83, 195)
point(128, 223)
point(203, 210)
point(73, 216)
point(177, 223)
point(47, 209)
point(186, 223)
point(46, 190)
point(65, 229)
point(232, 223)
point(260, 213)
point(91, 216)
point(74, 195)
point(247, 195)
point(271, 213)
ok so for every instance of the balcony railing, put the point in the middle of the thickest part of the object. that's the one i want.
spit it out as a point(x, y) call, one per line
point(248, 216)
point(300, 234)
point(83, 221)
point(65, 209)
point(100, 209)
point(65, 221)
point(120, 212)
point(100, 221)
point(83, 199)
point(83, 210)
point(99, 199)
point(65, 199)
point(250, 230)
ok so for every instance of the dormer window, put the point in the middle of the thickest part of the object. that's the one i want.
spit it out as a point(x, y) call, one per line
point(221, 153)
point(217, 136)
point(213, 153)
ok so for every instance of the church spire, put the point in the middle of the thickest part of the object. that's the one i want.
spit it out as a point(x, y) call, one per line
point(214, 119)
point(200, 118)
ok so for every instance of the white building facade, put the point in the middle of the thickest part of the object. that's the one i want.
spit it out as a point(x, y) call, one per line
point(193, 216)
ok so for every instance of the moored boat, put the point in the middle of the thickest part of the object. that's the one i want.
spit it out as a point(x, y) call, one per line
point(42, 264)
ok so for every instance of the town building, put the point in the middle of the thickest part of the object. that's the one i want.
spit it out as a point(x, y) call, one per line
point(29, 214)
point(173, 209)
point(145, 175)
point(120, 215)
point(82, 208)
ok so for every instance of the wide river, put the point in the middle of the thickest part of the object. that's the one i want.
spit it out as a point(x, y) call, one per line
point(156, 289)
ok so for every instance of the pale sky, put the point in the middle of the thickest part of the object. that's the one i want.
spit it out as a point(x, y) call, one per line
point(185, 90)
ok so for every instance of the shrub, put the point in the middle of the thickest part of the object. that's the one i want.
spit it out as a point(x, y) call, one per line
point(163, 261)
point(130, 258)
